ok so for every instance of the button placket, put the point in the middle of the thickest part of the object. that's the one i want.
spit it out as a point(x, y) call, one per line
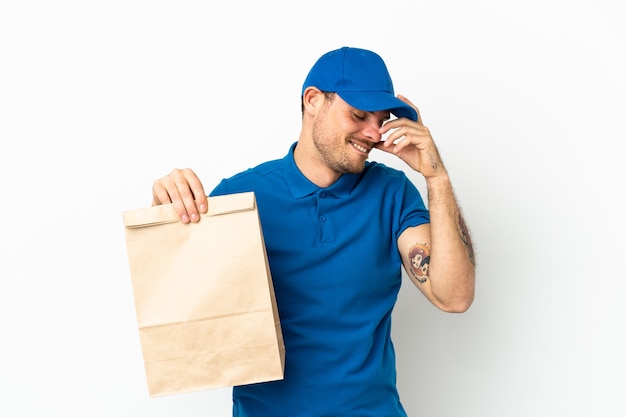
point(322, 216)
point(320, 206)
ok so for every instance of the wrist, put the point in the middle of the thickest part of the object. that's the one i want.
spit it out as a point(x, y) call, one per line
point(441, 178)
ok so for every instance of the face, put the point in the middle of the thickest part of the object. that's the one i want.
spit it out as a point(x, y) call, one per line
point(344, 136)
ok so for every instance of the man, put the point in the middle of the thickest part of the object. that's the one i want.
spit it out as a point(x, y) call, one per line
point(337, 229)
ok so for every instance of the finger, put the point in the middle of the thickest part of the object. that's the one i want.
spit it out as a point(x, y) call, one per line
point(179, 188)
point(178, 201)
point(167, 190)
point(403, 128)
point(159, 194)
point(390, 128)
point(383, 146)
point(197, 190)
point(407, 101)
point(186, 187)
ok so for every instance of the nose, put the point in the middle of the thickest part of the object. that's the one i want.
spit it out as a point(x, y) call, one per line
point(372, 132)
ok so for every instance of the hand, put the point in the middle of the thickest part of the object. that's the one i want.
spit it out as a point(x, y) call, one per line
point(183, 189)
point(411, 141)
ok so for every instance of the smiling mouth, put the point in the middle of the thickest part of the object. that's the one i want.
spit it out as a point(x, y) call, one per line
point(360, 148)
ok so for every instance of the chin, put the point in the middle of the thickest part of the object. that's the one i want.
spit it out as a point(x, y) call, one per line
point(356, 169)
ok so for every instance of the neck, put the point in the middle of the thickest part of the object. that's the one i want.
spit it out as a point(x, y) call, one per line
point(309, 163)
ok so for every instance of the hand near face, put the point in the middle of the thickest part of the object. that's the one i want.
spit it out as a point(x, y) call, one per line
point(412, 142)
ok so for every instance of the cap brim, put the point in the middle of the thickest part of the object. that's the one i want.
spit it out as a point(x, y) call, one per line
point(378, 101)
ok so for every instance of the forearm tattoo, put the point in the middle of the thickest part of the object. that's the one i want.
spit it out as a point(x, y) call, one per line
point(465, 237)
point(419, 254)
point(433, 161)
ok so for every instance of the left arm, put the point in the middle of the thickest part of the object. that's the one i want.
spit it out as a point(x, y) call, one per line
point(439, 256)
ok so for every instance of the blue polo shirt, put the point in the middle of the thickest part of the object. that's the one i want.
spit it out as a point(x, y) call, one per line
point(337, 272)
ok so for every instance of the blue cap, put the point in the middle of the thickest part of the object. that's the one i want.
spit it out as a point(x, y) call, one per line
point(360, 78)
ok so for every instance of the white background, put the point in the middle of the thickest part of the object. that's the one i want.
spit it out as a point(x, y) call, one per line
point(526, 100)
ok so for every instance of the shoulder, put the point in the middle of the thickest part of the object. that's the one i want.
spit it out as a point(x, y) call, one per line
point(392, 183)
point(262, 170)
point(381, 173)
point(251, 178)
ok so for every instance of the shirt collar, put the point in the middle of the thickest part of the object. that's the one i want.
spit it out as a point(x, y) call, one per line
point(300, 186)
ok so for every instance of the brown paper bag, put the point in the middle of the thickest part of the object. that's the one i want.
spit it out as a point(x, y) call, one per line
point(204, 298)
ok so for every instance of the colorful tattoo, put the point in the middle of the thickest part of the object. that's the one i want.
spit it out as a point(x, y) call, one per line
point(465, 237)
point(419, 254)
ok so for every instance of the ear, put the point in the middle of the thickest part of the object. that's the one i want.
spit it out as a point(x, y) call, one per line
point(313, 100)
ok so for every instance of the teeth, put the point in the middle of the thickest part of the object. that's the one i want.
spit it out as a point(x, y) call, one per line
point(359, 147)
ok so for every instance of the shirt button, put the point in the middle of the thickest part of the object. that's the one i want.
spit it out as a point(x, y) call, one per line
point(322, 218)
point(323, 194)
